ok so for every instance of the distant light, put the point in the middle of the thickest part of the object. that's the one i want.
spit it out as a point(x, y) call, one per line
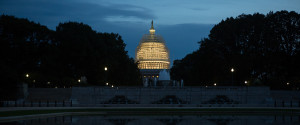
point(246, 82)
point(48, 83)
point(112, 86)
point(33, 81)
point(56, 87)
point(287, 83)
point(105, 68)
point(232, 70)
point(215, 84)
point(27, 75)
point(157, 76)
point(78, 80)
point(152, 30)
point(107, 83)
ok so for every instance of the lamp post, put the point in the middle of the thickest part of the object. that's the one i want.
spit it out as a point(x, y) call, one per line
point(27, 79)
point(232, 70)
point(105, 69)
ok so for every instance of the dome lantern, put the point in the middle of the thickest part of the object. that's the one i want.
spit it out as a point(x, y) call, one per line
point(152, 30)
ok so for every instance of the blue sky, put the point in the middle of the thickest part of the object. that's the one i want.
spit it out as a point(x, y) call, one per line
point(182, 23)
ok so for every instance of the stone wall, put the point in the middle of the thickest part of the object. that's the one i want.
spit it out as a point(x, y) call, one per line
point(49, 94)
point(159, 96)
point(286, 98)
point(212, 96)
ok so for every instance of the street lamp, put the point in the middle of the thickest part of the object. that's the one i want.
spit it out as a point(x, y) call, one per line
point(246, 83)
point(232, 70)
point(107, 83)
point(27, 75)
point(105, 69)
point(215, 84)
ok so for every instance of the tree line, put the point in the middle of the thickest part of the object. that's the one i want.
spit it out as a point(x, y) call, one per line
point(33, 54)
point(262, 50)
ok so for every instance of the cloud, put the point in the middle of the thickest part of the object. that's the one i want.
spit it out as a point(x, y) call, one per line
point(52, 12)
point(130, 21)
point(199, 9)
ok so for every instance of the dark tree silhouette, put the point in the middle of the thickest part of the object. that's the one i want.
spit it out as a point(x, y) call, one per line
point(59, 58)
point(263, 49)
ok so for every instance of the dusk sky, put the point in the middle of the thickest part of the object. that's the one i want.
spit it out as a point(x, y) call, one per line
point(181, 23)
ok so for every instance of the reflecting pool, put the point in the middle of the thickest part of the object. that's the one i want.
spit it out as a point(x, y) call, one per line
point(163, 120)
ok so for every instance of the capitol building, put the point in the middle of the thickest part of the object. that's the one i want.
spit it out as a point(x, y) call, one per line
point(152, 53)
point(152, 56)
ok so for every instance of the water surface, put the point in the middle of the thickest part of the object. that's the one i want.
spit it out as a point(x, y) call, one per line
point(163, 120)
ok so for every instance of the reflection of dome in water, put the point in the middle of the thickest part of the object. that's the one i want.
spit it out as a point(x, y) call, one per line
point(164, 75)
point(152, 52)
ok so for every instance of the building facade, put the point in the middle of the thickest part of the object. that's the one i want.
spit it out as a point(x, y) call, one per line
point(152, 53)
point(152, 57)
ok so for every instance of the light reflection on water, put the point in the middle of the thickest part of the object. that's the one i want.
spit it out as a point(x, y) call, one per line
point(164, 120)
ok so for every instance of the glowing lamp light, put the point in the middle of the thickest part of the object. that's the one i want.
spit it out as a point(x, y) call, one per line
point(27, 75)
point(287, 83)
point(107, 83)
point(246, 82)
point(215, 84)
point(112, 86)
point(232, 70)
point(105, 68)
point(78, 80)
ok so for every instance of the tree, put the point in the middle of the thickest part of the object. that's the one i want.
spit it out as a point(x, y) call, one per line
point(59, 58)
point(20, 40)
point(260, 48)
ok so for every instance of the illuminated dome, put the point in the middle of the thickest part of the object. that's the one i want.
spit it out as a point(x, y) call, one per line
point(152, 52)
